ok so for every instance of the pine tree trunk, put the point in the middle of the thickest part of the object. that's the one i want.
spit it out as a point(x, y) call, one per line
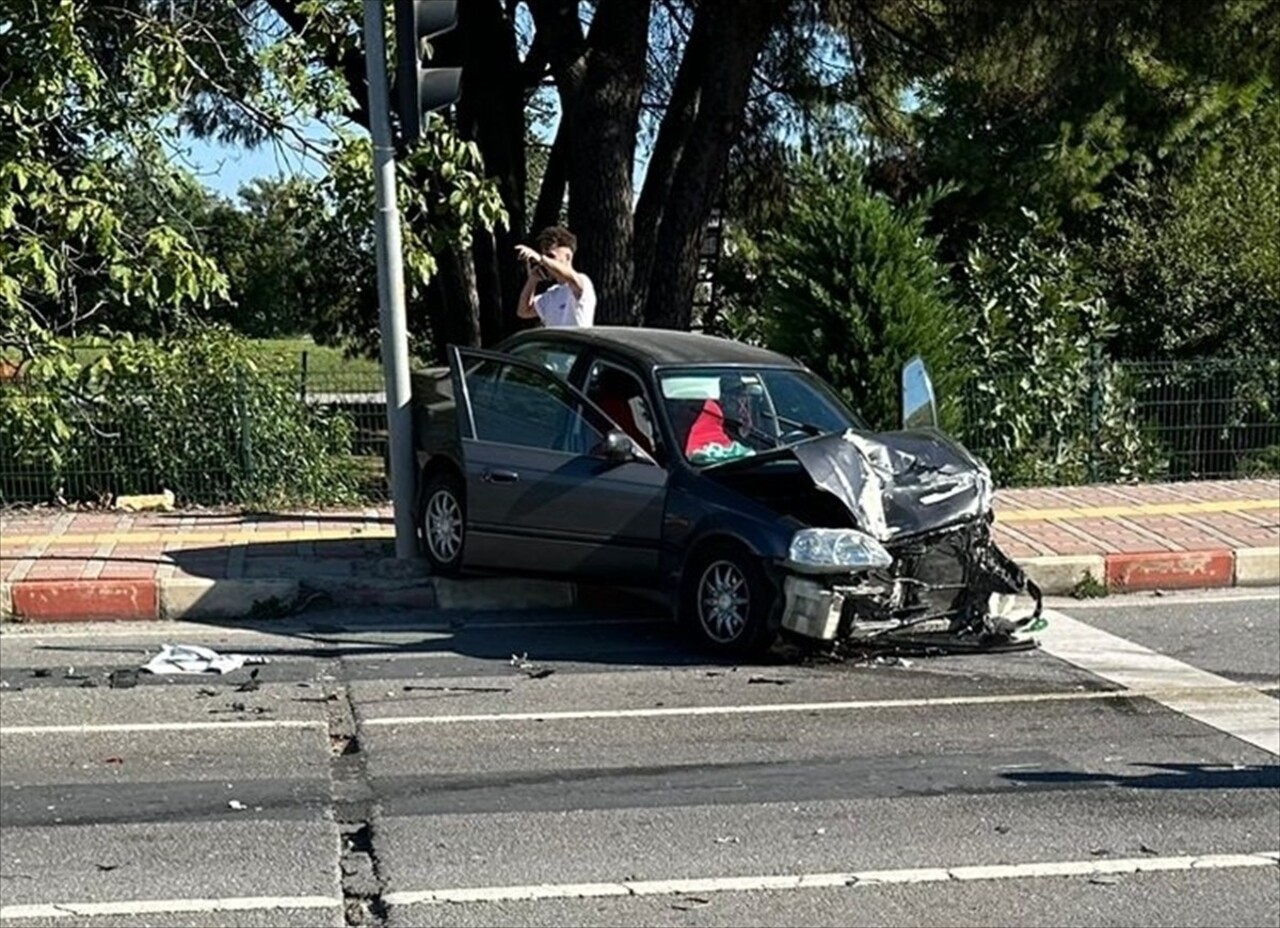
point(740, 33)
point(604, 121)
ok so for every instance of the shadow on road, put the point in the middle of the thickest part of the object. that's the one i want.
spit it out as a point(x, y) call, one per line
point(1162, 777)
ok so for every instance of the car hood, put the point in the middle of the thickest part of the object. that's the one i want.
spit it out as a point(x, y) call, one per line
point(894, 484)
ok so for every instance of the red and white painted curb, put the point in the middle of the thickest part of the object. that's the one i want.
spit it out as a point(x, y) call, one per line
point(38, 601)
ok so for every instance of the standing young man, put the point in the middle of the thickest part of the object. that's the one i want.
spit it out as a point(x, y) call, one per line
point(571, 300)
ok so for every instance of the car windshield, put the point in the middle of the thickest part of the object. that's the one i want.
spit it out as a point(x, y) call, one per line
point(725, 413)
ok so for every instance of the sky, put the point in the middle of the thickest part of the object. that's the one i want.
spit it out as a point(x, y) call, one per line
point(225, 169)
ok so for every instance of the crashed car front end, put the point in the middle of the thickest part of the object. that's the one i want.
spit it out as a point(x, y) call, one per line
point(919, 549)
point(957, 575)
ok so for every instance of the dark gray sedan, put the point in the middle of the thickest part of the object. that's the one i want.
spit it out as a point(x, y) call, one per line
point(730, 478)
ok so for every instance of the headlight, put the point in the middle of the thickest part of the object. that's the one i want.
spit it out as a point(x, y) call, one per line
point(836, 550)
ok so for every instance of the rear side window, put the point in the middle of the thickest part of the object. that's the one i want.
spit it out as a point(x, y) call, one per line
point(558, 359)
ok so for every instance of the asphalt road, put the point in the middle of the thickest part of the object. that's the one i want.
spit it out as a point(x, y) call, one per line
point(390, 771)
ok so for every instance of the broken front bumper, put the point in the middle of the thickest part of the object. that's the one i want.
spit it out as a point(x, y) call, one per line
point(951, 574)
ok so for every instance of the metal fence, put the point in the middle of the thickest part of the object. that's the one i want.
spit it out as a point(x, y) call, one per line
point(1129, 420)
point(1121, 421)
point(206, 453)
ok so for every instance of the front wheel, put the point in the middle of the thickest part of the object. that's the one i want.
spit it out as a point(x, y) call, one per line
point(728, 603)
point(443, 523)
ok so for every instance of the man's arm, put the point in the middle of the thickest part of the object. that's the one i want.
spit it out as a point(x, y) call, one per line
point(525, 307)
point(563, 273)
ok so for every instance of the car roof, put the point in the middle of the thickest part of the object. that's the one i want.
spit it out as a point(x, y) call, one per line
point(660, 347)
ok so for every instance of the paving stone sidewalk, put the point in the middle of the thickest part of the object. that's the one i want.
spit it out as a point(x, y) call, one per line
point(1202, 534)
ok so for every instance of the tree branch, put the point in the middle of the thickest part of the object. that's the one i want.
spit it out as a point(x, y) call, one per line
point(348, 62)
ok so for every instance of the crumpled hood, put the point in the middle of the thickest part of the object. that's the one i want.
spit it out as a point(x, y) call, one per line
point(899, 483)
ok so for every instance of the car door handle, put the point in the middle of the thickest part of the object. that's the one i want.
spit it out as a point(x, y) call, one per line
point(500, 476)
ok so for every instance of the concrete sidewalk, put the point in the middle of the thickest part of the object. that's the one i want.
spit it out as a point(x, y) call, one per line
point(67, 566)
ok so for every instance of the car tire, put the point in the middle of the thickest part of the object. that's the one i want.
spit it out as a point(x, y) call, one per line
point(443, 523)
point(727, 603)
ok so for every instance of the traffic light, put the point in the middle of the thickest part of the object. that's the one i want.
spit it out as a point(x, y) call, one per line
point(421, 90)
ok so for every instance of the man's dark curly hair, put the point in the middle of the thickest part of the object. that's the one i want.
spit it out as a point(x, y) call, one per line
point(556, 237)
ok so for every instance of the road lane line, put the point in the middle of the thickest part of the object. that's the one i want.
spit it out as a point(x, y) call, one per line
point(1227, 691)
point(855, 878)
point(165, 906)
point(1242, 711)
point(138, 727)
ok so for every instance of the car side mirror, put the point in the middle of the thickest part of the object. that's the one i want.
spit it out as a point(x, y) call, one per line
point(919, 406)
point(618, 447)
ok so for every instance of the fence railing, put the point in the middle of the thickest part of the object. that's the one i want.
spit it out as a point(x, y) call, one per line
point(254, 440)
point(1129, 420)
point(1123, 421)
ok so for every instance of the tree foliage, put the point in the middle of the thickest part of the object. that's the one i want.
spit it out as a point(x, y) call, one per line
point(86, 88)
point(1192, 257)
point(851, 286)
point(97, 227)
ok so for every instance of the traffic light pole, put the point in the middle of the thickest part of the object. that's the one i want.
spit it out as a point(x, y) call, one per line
point(395, 333)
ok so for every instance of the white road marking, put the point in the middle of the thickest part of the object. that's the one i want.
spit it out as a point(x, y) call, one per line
point(856, 878)
point(1241, 711)
point(774, 708)
point(137, 727)
point(165, 906)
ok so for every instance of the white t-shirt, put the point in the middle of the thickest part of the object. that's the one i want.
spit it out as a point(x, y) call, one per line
point(558, 306)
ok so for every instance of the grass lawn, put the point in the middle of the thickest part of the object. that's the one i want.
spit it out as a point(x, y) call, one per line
point(322, 361)
point(324, 364)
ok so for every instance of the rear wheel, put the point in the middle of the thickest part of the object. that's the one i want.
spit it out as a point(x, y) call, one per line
point(443, 523)
point(728, 603)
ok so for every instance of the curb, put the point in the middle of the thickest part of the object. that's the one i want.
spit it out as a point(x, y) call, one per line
point(194, 598)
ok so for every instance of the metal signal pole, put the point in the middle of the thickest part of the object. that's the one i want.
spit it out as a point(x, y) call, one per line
point(394, 329)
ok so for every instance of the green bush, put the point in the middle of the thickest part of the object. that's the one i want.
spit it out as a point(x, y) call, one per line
point(1263, 463)
point(849, 284)
point(1042, 406)
point(194, 413)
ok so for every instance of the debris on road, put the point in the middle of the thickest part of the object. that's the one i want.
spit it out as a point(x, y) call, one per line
point(122, 679)
point(237, 805)
point(690, 902)
point(248, 686)
point(409, 687)
point(1104, 879)
point(728, 839)
point(113, 760)
point(190, 659)
point(240, 707)
point(776, 681)
point(532, 670)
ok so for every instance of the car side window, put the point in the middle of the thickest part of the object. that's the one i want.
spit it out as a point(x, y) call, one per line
point(558, 359)
point(621, 395)
point(515, 405)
